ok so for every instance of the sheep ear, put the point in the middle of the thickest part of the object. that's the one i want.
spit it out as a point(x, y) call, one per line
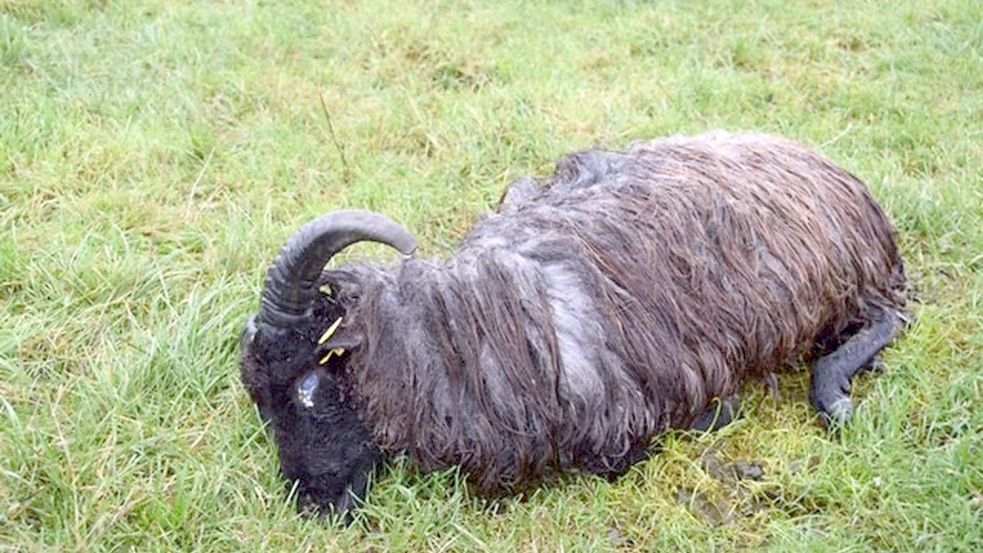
point(348, 343)
point(338, 345)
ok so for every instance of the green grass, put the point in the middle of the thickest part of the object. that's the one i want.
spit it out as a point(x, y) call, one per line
point(155, 154)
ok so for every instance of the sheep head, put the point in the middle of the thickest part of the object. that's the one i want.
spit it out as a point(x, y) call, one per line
point(294, 358)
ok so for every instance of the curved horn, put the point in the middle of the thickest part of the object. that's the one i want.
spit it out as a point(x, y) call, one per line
point(292, 279)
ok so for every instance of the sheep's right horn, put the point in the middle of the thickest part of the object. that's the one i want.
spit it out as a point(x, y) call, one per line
point(291, 284)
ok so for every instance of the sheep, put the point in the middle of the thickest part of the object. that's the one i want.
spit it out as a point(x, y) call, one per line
point(630, 293)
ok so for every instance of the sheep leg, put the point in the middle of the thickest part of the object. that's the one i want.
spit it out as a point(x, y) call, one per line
point(613, 468)
point(721, 414)
point(832, 374)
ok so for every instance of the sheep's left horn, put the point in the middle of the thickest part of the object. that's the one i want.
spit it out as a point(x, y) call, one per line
point(291, 284)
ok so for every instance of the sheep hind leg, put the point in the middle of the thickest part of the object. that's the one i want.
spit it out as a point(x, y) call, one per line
point(832, 374)
point(720, 415)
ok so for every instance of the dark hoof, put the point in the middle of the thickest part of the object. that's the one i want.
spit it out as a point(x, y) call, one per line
point(837, 414)
point(876, 366)
point(721, 414)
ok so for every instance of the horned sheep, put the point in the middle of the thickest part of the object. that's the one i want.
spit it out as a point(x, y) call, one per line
point(629, 293)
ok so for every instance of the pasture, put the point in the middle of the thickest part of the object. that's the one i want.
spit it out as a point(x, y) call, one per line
point(155, 154)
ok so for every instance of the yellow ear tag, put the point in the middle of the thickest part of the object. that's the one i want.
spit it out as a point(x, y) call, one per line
point(330, 331)
point(326, 289)
point(335, 351)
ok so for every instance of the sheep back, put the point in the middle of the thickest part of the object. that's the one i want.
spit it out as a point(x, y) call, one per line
point(616, 300)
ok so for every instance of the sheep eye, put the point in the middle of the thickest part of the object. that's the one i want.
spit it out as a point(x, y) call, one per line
point(306, 389)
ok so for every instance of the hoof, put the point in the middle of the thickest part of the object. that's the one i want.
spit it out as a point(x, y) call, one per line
point(837, 414)
point(720, 415)
point(876, 366)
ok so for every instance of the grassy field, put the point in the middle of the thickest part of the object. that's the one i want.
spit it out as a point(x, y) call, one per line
point(155, 154)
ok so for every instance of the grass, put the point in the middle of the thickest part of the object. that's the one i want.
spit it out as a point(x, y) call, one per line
point(155, 154)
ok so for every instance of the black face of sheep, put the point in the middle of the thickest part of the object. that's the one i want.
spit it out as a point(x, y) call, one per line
point(324, 449)
point(588, 315)
point(294, 368)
